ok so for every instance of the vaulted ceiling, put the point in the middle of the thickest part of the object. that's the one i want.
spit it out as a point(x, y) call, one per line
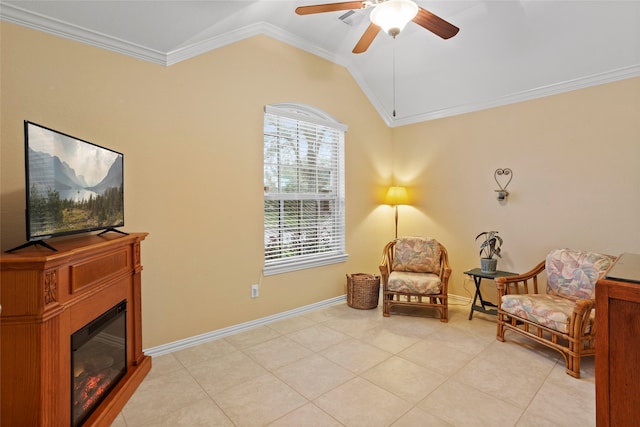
point(506, 50)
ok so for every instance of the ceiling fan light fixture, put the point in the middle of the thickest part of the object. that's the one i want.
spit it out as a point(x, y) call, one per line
point(393, 15)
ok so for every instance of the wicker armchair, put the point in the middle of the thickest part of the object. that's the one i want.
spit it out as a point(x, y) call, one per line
point(415, 272)
point(563, 318)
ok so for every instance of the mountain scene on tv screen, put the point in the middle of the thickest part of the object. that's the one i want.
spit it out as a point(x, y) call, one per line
point(73, 186)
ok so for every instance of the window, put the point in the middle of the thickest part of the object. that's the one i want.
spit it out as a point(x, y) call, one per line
point(303, 188)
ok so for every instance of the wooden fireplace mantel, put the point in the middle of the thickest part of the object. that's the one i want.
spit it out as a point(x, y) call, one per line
point(45, 297)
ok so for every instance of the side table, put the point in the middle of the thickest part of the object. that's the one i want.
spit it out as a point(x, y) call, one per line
point(478, 275)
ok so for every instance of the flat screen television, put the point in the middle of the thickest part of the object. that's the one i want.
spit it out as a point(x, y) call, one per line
point(72, 185)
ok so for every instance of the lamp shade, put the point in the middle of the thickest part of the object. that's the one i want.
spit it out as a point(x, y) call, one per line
point(397, 196)
point(393, 15)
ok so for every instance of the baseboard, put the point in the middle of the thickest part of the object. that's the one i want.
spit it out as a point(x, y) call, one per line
point(459, 300)
point(241, 327)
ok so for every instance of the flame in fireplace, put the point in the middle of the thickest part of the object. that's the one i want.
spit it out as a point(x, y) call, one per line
point(90, 387)
point(89, 390)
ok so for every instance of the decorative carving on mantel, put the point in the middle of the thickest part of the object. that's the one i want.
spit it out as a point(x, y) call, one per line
point(50, 287)
point(136, 254)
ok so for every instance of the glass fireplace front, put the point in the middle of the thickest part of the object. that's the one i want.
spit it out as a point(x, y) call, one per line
point(98, 361)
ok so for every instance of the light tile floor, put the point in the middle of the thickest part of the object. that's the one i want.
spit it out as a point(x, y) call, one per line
point(339, 366)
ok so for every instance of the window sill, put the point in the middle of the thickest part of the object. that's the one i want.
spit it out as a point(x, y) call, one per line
point(300, 264)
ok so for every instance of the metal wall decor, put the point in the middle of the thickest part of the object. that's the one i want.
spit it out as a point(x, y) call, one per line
point(501, 175)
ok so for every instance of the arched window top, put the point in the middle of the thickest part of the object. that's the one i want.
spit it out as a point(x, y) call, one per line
point(304, 216)
point(306, 113)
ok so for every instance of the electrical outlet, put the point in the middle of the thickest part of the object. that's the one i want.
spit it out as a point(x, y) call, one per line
point(254, 291)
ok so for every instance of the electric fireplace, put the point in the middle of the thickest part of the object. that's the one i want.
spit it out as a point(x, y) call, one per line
point(47, 297)
point(98, 361)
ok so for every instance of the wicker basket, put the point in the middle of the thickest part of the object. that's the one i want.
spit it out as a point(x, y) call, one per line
point(363, 290)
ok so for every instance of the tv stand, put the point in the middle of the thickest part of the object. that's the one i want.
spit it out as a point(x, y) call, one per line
point(33, 243)
point(115, 230)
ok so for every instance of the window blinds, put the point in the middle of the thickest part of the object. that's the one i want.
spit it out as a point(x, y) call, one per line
point(303, 190)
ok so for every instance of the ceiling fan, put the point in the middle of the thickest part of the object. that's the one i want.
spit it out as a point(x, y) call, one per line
point(389, 15)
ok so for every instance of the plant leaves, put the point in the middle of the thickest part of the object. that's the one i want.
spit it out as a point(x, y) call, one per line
point(491, 244)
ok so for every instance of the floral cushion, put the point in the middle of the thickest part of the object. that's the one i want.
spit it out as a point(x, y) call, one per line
point(414, 283)
point(417, 255)
point(573, 274)
point(548, 310)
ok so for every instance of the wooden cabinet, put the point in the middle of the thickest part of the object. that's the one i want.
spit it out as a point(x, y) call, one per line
point(46, 296)
point(617, 353)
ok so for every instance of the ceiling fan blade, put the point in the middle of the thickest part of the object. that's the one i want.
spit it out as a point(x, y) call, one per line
point(367, 38)
point(329, 7)
point(435, 24)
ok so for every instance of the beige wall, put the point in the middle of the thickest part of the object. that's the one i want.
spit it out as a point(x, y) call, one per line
point(191, 135)
point(576, 177)
point(192, 139)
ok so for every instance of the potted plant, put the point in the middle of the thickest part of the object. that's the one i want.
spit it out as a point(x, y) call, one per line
point(490, 246)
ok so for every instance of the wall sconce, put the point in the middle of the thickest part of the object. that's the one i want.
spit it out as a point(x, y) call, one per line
point(502, 192)
point(396, 196)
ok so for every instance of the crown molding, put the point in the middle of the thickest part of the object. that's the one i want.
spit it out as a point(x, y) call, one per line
point(540, 92)
point(236, 35)
point(25, 18)
point(35, 21)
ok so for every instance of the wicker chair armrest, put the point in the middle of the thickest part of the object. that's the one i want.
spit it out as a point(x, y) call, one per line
point(444, 279)
point(519, 284)
point(385, 263)
point(445, 268)
point(524, 276)
point(583, 306)
point(580, 317)
point(384, 273)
